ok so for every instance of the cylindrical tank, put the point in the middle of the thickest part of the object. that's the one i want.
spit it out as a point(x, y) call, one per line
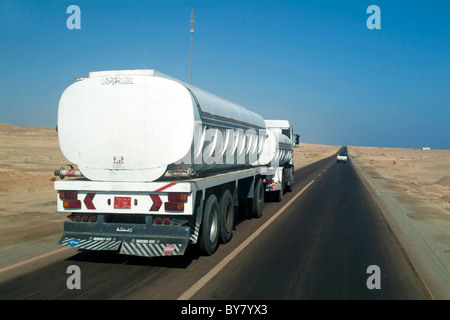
point(136, 125)
point(277, 147)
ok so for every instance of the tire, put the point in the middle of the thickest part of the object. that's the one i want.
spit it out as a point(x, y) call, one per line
point(290, 184)
point(278, 196)
point(267, 197)
point(210, 226)
point(226, 217)
point(258, 200)
point(289, 188)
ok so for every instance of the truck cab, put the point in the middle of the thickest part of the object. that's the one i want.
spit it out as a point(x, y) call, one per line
point(280, 176)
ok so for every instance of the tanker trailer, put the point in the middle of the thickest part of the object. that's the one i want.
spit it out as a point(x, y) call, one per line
point(164, 164)
point(140, 125)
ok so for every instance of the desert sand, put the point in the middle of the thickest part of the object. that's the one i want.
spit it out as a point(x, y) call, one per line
point(31, 226)
point(423, 176)
point(29, 222)
point(413, 189)
point(306, 153)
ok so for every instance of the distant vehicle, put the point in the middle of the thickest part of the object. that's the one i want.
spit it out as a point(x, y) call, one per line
point(426, 148)
point(342, 157)
point(296, 139)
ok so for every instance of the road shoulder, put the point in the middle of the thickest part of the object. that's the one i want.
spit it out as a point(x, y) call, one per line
point(421, 232)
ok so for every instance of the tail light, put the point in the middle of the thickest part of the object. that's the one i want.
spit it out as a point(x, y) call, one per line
point(68, 195)
point(160, 220)
point(176, 202)
point(72, 204)
point(174, 206)
point(70, 199)
point(268, 180)
point(82, 218)
point(177, 197)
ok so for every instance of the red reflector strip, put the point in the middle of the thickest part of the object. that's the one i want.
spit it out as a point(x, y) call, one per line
point(174, 206)
point(166, 186)
point(72, 204)
point(88, 201)
point(177, 197)
point(157, 203)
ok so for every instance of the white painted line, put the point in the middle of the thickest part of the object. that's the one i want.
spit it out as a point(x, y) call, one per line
point(206, 278)
point(33, 259)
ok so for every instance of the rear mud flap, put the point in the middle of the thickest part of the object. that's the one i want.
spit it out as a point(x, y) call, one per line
point(91, 243)
point(136, 248)
point(129, 246)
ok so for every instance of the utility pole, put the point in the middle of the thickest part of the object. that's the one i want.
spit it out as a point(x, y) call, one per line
point(192, 40)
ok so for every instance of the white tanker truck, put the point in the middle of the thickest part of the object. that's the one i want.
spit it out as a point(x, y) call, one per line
point(162, 164)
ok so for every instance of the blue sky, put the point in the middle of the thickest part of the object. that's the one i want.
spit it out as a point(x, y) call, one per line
point(312, 62)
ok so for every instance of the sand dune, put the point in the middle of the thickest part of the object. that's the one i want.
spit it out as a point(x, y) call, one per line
point(422, 175)
point(306, 153)
point(29, 222)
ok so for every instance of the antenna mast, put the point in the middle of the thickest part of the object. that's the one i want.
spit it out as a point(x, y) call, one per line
point(192, 40)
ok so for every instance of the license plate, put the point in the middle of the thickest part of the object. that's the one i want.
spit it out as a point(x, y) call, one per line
point(122, 202)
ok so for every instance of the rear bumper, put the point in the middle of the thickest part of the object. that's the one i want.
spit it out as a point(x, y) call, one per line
point(132, 239)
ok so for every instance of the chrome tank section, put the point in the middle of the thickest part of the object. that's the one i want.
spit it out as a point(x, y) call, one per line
point(278, 147)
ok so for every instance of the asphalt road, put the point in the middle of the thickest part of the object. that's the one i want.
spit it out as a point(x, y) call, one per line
point(319, 247)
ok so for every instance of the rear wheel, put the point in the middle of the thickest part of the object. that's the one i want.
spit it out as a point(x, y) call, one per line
point(258, 200)
point(278, 195)
point(210, 226)
point(290, 183)
point(289, 188)
point(226, 215)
